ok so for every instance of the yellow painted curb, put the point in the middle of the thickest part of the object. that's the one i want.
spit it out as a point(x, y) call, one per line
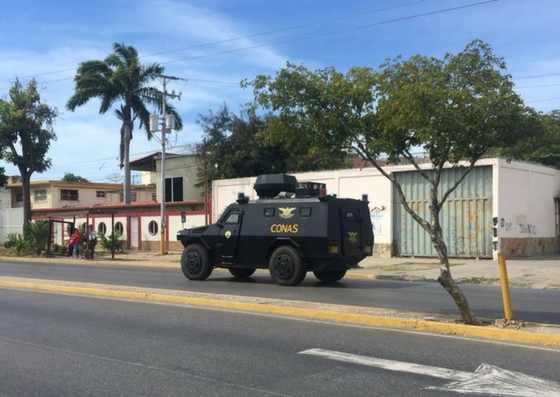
point(336, 316)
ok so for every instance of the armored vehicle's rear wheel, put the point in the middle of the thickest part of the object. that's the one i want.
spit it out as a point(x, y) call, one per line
point(195, 263)
point(331, 276)
point(286, 266)
point(242, 273)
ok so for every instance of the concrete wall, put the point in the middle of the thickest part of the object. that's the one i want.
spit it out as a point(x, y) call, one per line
point(526, 209)
point(523, 202)
point(5, 198)
point(11, 221)
point(351, 183)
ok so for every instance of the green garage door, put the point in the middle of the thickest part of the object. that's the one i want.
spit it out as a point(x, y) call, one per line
point(466, 217)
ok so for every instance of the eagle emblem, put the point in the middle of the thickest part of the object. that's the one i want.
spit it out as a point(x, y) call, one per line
point(286, 212)
point(352, 237)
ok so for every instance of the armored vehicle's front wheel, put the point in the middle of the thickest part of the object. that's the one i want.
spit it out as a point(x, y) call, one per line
point(331, 276)
point(286, 266)
point(195, 263)
point(241, 273)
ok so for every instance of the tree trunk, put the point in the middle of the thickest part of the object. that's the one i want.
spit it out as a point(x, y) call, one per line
point(446, 280)
point(127, 189)
point(25, 184)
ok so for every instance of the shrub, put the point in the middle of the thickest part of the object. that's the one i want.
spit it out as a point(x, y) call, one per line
point(56, 248)
point(111, 242)
point(36, 233)
point(16, 243)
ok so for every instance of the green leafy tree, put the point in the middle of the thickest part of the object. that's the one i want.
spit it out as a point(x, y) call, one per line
point(121, 77)
point(69, 177)
point(26, 132)
point(543, 148)
point(456, 108)
point(233, 147)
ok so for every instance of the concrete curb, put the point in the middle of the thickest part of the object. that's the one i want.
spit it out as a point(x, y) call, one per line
point(266, 306)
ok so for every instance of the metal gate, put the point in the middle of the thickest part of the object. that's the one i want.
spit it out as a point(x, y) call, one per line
point(466, 216)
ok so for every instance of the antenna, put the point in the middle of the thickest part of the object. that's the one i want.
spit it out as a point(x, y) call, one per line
point(116, 177)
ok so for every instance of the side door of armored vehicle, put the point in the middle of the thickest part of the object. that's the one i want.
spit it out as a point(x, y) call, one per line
point(352, 236)
point(228, 235)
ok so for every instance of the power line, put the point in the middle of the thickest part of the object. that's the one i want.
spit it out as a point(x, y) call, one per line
point(537, 76)
point(333, 32)
point(246, 36)
point(544, 100)
point(538, 86)
point(394, 20)
point(294, 27)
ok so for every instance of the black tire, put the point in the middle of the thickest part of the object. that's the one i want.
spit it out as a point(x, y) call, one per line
point(242, 273)
point(286, 266)
point(330, 276)
point(195, 263)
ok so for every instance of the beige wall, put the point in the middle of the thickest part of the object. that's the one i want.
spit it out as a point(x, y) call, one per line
point(48, 194)
point(180, 167)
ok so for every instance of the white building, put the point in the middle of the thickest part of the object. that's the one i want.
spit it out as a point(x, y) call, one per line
point(512, 206)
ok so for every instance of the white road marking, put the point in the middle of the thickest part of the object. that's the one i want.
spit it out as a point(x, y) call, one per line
point(487, 379)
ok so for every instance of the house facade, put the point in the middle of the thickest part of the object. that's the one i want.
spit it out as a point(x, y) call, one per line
point(180, 175)
point(62, 194)
point(100, 204)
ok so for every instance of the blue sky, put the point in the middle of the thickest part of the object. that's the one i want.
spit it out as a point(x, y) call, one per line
point(214, 44)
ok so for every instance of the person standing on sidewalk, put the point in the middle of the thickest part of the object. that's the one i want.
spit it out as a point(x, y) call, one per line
point(77, 240)
point(70, 245)
point(91, 242)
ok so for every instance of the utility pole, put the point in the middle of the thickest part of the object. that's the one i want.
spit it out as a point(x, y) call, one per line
point(205, 159)
point(167, 124)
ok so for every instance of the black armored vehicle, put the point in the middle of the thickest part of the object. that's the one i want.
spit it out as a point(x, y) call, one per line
point(291, 229)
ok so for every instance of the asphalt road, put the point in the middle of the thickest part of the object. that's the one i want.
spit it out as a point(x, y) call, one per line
point(61, 345)
point(486, 301)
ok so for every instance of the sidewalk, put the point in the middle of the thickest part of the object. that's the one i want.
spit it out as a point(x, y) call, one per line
point(539, 272)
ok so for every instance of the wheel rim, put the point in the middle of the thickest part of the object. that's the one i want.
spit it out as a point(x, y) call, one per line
point(284, 266)
point(192, 262)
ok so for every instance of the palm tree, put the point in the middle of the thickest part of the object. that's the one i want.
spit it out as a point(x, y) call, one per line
point(121, 77)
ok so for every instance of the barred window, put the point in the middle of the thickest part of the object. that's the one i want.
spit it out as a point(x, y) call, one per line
point(69, 194)
point(40, 195)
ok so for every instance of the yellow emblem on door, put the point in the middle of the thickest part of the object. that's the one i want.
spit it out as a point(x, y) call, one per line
point(352, 237)
point(286, 212)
